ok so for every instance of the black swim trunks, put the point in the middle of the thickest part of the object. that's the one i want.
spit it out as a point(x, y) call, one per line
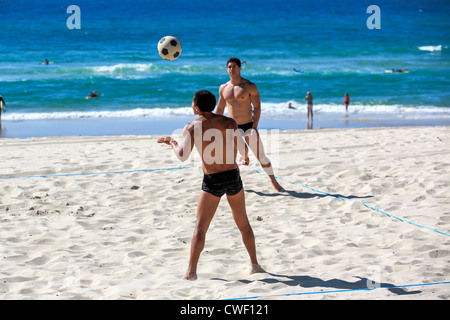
point(247, 128)
point(218, 184)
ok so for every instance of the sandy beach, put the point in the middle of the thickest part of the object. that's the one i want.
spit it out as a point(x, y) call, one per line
point(111, 217)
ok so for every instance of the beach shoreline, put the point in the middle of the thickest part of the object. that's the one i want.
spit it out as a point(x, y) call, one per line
point(111, 217)
point(23, 129)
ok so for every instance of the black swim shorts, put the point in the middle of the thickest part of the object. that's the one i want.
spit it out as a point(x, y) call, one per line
point(218, 184)
point(246, 127)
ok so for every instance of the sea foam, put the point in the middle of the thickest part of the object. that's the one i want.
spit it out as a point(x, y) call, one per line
point(431, 48)
point(268, 110)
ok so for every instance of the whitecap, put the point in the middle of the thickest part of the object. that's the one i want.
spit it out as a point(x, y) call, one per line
point(431, 48)
point(268, 110)
point(121, 67)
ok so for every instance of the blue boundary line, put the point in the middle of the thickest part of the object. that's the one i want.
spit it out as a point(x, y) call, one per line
point(343, 290)
point(364, 204)
point(93, 173)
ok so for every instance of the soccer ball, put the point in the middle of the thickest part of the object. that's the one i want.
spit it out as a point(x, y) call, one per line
point(169, 48)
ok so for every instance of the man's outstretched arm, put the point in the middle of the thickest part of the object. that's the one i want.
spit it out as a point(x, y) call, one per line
point(183, 150)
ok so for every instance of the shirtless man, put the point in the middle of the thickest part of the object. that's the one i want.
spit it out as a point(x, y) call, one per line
point(239, 95)
point(221, 173)
point(309, 100)
point(2, 106)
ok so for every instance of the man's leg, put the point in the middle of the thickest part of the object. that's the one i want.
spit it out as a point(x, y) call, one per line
point(237, 205)
point(255, 144)
point(206, 208)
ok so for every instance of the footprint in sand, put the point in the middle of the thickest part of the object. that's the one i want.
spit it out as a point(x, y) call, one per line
point(439, 253)
point(420, 198)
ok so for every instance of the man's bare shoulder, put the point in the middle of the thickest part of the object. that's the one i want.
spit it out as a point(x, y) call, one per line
point(228, 122)
point(189, 127)
point(248, 84)
point(224, 85)
point(231, 123)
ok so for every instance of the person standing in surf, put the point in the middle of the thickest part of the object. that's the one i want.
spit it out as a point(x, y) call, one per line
point(346, 102)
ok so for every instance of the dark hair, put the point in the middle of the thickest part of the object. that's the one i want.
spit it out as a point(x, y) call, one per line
point(205, 100)
point(235, 60)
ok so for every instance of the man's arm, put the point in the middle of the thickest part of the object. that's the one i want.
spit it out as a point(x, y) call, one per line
point(220, 109)
point(183, 150)
point(256, 102)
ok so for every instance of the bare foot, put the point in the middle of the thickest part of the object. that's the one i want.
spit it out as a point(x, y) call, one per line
point(256, 268)
point(192, 276)
point(276, 185)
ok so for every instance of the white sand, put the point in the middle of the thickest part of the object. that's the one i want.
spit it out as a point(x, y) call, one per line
point(127, 235)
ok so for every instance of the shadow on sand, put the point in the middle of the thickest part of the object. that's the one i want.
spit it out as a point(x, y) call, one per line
point(304, 195)
point(336, 285)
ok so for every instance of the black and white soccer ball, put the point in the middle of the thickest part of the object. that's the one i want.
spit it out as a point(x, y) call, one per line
point(169, 48)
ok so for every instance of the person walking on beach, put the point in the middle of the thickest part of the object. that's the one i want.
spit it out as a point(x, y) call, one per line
point(346, 101)
point(239, 95)
point(309, 106)
point(221, 173)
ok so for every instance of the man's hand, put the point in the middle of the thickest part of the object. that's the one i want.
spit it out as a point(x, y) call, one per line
point(244, 160)
point(165, 140)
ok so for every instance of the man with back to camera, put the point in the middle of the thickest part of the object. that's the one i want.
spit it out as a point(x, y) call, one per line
point(221, 174)
point(239, 95)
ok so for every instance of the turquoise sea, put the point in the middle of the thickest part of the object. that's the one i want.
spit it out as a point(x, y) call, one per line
point(114, 53)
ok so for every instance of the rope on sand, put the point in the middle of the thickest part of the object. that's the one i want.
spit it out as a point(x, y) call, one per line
point(93, 173)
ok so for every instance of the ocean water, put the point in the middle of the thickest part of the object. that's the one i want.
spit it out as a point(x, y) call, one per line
point(115, 54)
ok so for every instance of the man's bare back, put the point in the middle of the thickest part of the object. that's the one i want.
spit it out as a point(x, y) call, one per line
point(210, 133)
point(213, 127)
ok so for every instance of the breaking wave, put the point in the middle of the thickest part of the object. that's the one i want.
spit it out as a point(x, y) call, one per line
point(268, 110)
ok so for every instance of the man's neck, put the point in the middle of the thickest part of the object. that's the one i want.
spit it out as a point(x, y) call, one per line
point(206, 115)
point(236, 80)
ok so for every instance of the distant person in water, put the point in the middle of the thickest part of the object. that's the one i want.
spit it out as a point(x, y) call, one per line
point(93, 95)
point(398, 70)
